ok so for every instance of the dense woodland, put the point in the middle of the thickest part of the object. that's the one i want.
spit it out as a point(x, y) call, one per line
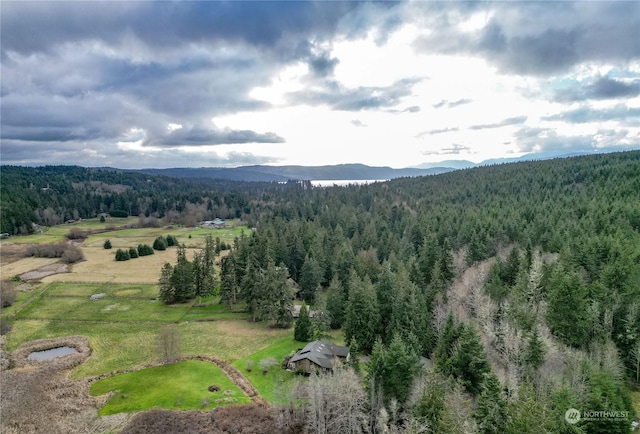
point(518, 283)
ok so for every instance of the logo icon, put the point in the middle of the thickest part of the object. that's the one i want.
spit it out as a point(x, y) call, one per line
point(572, 416)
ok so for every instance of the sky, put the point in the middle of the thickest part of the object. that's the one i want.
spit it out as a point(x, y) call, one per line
point(142, 84)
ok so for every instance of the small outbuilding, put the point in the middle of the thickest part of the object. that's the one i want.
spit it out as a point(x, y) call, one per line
point(318, 356)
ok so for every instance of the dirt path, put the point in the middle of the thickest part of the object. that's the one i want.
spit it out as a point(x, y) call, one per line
point(237, 377)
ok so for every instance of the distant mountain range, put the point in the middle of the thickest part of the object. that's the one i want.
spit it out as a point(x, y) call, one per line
point(285, 173)
point(339, 172)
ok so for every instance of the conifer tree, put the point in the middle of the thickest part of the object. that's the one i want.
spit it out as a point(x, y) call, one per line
point(228, 280)
point(361, 322)
point(336, 303)
point(491, 414)
point(182, 278)
point(303, 330)
point(567, 308)
point(167, 294)
point(534, 353)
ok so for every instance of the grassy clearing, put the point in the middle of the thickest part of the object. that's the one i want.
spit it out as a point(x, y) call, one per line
point(101, 266)
point(87, 289)
point(24, 265)
point(177, 386)
point(123, 327)
point(228, 339)
point(107, 309)
point(271, 384)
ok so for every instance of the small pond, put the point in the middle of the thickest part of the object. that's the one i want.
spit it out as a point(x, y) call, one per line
point(51, 353)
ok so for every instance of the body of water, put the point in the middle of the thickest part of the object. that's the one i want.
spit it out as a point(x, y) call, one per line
point(343, 182)
point(51, 353)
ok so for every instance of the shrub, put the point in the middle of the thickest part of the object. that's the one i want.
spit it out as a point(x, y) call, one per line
point(102, 219)
point(5, 327)
point(268, 363)
point(107, 244)
point(72, 254)
point(160, 243)
point(69, 253)
point(76, 234)
point(171, 241)
point(7, 293)
point(122, 255)
point(133, 252)
point(145, 250)
point(46, 250)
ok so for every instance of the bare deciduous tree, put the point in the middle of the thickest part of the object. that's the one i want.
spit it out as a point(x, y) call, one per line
point(169, 343)
point(335, 403)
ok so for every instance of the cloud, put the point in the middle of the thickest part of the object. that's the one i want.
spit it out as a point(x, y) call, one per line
point(454, 149)
point(586, 113)
point(358, 123)
point(506, 122)
point(436, 131)
point(601, 89)
point(562, 35)
point(333, 94)
point(537, 139)
point(451, 104)
point(548, 140)
point(202, 136)
point(39, 27)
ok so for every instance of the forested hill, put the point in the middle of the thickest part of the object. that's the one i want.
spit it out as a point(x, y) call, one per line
point(520, 281)
point(285, 173)
point(521, 278)
point(51, 195)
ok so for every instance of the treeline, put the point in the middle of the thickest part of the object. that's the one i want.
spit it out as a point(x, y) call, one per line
point(51, 195)
point(188, 279)
point(556, 318)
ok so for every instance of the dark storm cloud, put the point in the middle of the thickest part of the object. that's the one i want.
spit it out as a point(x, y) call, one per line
point(40, 26)
point(585, 114)
point(338, 97)
point(562, 34)
point(601, 89)
point(503, 123)
point(76, 72)
point(202, 136)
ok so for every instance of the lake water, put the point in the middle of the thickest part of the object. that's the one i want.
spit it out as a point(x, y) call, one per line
point(51, 353)
point(343, 182)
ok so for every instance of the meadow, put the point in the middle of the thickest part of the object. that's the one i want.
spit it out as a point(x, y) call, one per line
point(124, 325)
point(175, 386)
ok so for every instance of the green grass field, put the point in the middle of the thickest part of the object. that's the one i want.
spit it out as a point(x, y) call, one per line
point(176, 386)
point(123, 327)
point(270, 385)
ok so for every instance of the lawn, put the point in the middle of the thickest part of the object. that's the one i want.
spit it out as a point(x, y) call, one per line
point(176, 386)
point(272, 384)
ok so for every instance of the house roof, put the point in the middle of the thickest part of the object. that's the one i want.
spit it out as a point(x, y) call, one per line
point(321, 353)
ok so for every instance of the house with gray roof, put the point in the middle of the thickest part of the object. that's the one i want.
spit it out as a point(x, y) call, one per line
point(318, 356)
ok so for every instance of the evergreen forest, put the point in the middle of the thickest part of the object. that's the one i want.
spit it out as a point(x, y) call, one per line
point(518, 284)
